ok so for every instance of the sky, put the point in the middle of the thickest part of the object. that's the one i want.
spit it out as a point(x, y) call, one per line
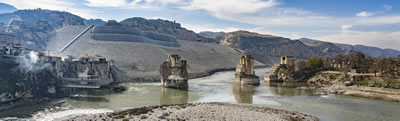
point(366, 22)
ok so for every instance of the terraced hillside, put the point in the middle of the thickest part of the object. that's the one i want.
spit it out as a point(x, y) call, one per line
point(135, 61)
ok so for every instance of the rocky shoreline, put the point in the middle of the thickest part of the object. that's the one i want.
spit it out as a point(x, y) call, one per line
point(365, 92)
point(200, 111)
point(22, 102)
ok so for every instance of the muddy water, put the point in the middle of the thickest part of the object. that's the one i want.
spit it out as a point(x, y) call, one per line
point(218, 87)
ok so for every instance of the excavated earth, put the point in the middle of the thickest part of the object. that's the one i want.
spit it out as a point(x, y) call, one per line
point(138, 61)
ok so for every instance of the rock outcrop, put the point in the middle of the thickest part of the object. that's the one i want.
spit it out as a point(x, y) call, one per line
point(56, 19)
point(161, 26)
point(267, 48)
point(31, 35)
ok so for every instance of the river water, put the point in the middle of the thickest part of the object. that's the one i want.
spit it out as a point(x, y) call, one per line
point(218, 87)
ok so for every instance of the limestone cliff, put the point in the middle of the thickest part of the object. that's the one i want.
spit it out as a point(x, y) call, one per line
point(31, 35)
point(162, 26)
point(56, 19)
point(346, 48)
point(267, 48)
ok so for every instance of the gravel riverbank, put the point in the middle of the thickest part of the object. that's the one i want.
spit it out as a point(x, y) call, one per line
point(201, 111)
point(366, 92)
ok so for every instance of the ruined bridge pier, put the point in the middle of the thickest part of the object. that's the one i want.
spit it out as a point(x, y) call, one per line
point(174, 73)
point(245, 74)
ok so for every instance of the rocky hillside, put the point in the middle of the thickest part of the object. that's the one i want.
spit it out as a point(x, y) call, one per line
point(268, 48)
point(56, 19)
point(31, 35)
point(6, 8)
point(164, 26)
point(216, 36)
point(368, 50)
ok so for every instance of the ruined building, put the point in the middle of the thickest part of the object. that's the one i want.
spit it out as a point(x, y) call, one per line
point(282, 72)
point(86, 72)
point(245, 71)
point(174, 73)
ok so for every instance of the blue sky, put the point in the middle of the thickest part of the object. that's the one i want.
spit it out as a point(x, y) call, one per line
point(367, 22)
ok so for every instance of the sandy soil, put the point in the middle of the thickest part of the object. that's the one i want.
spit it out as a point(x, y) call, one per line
point(201, 111)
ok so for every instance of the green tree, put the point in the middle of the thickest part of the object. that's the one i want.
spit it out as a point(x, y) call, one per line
point(315, 63)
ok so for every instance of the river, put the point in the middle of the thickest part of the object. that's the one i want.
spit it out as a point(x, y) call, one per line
point(218, 87)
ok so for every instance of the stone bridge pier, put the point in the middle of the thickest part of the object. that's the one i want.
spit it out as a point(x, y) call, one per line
point(174, 73)
point(245, 74)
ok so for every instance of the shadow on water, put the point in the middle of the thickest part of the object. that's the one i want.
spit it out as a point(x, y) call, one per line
point(244, 93)
point(173, 96)
point(89, 99)
point(290, 89)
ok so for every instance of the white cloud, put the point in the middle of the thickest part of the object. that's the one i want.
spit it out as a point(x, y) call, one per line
point(364, 14)
point(231, 7)
point(45, 4)
point(376, 39)
point(106, 3)
point(213, 28)
point(346, 27)
point(386, 8)
point(380, 20)
point(133, 4)
point(61, 5)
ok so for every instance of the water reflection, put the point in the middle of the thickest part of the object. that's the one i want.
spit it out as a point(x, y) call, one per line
point(289, 89)
point(173, 96)
point(89, 99)
point(244, 93)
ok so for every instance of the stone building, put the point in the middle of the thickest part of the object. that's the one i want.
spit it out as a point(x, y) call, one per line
point(87, 72)
point(174, 73)
point(245, 71)
point(281, 72)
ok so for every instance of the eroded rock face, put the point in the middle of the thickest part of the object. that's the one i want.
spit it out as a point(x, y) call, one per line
point(173, 73)
point(32, 35)
point(262, 46)
point(161, 26)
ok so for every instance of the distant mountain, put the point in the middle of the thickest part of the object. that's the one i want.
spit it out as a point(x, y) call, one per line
point(6, 8)
point(217, 36)
point(56, 19)
point(368, 50)
point(268, 48)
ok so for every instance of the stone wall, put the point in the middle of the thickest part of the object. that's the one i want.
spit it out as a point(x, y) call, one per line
point(174, 73)
point(245, 71)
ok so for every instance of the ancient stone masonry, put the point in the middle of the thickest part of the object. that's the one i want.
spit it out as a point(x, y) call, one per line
point(174, 73)
point(27, 74)
point(245, 71)
point(281, 72)
point(86, 72)
point(31, 74)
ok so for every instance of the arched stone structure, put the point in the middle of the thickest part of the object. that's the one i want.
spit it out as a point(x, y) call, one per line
point(280, 72)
